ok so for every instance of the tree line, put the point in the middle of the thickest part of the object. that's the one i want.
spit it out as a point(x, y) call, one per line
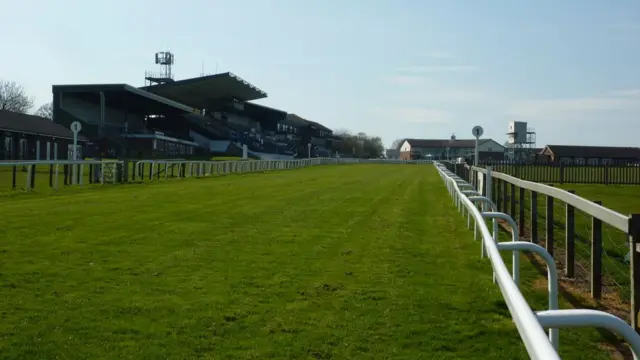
point(359, 145)
point(13, 97)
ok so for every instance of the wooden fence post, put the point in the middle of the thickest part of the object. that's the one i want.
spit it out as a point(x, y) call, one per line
point(634, 234)
point(534, 216)
point(561, 173)
point(484, 184)
point(32, 181)
point(14, 171)
point(570, 233)
point(521, 220)
point(549, 226)
point(512, 197)
point(505, 197)
point(596, 256)
point(51, 175)
point(498, 193)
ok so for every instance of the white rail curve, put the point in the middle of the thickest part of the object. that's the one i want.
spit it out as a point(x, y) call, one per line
point(530, 324)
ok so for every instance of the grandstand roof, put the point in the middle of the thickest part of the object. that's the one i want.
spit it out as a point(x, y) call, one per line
point(295, 120)
point(263, 113)
point(134, 98)
point(202, 92)
point(319, 126)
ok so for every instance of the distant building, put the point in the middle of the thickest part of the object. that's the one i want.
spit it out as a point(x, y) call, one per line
point(392, 153)
point(591, 155)
point(31, 137)
point(413, 149)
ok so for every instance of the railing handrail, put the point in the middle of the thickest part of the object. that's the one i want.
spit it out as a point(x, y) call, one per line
point(611, 217)
point(59, 162)
point(531, 332)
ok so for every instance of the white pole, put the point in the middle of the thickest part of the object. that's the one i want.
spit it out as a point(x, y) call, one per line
point(75, 145)
point(475, 158)
point(309, 150)
point(488, 184)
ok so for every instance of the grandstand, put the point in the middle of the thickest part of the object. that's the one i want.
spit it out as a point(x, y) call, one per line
point(208, 115)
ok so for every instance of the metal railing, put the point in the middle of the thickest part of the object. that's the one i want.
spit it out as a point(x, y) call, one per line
point(589, 239)
point(71, 171)
point(25, 175)
point(530, 324)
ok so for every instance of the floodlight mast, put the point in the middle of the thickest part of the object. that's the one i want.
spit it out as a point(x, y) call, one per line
point(166, 60)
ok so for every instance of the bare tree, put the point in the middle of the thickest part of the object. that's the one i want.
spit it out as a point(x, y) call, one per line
point(397, 143)
point(45, 111)
point(14, 98)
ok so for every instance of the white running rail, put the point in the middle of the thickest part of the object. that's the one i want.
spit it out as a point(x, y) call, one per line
point(530, 324)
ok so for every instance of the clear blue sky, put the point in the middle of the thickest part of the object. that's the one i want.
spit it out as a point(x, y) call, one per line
point(393, 68)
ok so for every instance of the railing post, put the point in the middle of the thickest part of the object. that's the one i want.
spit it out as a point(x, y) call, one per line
point(534, 216)
point(51, 175)
point(634, 235)
point(570, 234)
point(14, 172)
point(596, 256)
point(33, 176)
point(549, 225)
point(125, 170)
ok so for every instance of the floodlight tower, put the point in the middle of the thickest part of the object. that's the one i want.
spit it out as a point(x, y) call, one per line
point(166, 60)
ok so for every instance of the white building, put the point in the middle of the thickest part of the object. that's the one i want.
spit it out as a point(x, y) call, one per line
point(450, 149)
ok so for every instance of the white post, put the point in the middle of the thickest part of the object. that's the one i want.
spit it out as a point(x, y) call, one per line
point(37, 149)
point(48, 150)
point(55, 151)
point(309, 150)
point(75, 128)
point(477, 131)
point(75, 146)
point(245, 151)
point(475, 157)
point(489, 193)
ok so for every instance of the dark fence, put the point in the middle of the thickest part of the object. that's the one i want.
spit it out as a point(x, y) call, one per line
point(595, 247)
point(559, 173)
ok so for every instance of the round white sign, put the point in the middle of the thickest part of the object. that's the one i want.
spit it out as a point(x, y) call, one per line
point(76, 126)
point(477, 131)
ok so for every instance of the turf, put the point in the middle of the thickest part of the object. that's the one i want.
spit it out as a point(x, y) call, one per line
point(333, 262)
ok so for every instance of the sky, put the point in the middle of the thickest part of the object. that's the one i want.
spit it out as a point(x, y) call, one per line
point(389, 68)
